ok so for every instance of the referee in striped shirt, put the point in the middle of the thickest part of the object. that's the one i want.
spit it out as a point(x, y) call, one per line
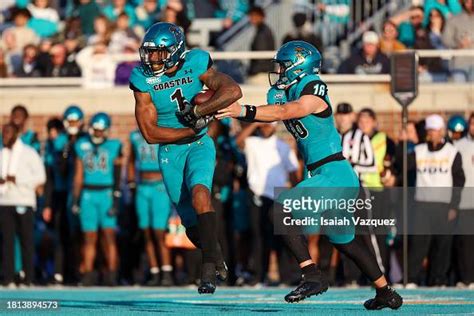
point(356, 145)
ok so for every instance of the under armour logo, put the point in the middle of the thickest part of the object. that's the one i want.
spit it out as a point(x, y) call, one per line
point(164, 160)
point(188, 71)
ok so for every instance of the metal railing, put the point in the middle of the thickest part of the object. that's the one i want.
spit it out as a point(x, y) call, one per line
point(242, 55)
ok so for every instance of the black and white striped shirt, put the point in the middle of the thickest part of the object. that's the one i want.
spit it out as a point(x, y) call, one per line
point(357, 149)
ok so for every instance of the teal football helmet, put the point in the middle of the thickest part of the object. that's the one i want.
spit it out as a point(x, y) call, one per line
point(71, 115)
point(162, 47)
point(99, 127)
point(457, 123)
point(457, 127)
point(294, 60)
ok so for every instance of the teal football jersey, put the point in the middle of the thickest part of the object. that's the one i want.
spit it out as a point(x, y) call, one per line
point(315, 134)
point(146, 155)
point(169, 91)
point(98, 160)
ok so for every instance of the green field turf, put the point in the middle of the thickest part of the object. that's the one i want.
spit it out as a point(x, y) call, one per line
point(231, 301)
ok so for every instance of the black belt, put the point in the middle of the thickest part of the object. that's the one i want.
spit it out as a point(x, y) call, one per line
point(334, 157)
point(188, 140)
point(96, 187)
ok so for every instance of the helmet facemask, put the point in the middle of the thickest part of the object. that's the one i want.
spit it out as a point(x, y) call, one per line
point(157, 60)
point(98, 133)
point(73, 123)
point(281, 77)
point(98, 136)
point(72, 126)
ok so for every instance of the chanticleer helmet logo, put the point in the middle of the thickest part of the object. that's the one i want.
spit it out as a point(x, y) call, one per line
point(301, 53)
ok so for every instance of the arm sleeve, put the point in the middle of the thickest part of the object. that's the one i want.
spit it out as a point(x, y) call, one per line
point(316, 88)
point(40, 172)
point(37, 172)
point(458, 181)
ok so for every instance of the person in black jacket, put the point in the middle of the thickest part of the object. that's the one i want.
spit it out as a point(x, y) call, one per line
point(29, 67)
point(302, 33)
point(262, 41)
point(62, 64)
point(367, 61)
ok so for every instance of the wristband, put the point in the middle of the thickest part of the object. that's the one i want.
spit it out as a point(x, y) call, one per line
point(250, 113)
point(117, 194)
point(242, 111)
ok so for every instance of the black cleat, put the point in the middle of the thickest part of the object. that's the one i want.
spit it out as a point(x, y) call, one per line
point(389, 298)
point(206, 288)
point(307, 288)
point(88, 279)
point(221, 271)
point(167, 278)
point(208, 279)
point(110, 278)
point(154, 280)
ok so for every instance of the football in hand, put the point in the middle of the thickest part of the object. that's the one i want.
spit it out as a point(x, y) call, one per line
point(203, 97)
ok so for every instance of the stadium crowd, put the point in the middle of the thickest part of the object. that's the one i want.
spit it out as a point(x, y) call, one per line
point(46, 38)
point(48, 245)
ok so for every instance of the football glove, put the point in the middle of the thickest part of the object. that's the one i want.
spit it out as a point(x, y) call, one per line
point(201, 123)
point(186, 114)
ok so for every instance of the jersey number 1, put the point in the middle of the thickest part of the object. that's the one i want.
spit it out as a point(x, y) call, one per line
point(177, 97)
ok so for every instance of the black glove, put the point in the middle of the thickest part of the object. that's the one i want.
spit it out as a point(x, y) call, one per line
point(186, 113)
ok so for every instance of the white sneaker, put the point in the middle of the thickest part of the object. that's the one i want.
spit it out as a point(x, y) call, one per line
point(461, 285)
point(11, 286)
point(471, 286)
point(58, 278)
point(411, 286)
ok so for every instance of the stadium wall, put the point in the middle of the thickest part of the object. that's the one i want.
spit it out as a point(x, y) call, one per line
point(46, 102)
